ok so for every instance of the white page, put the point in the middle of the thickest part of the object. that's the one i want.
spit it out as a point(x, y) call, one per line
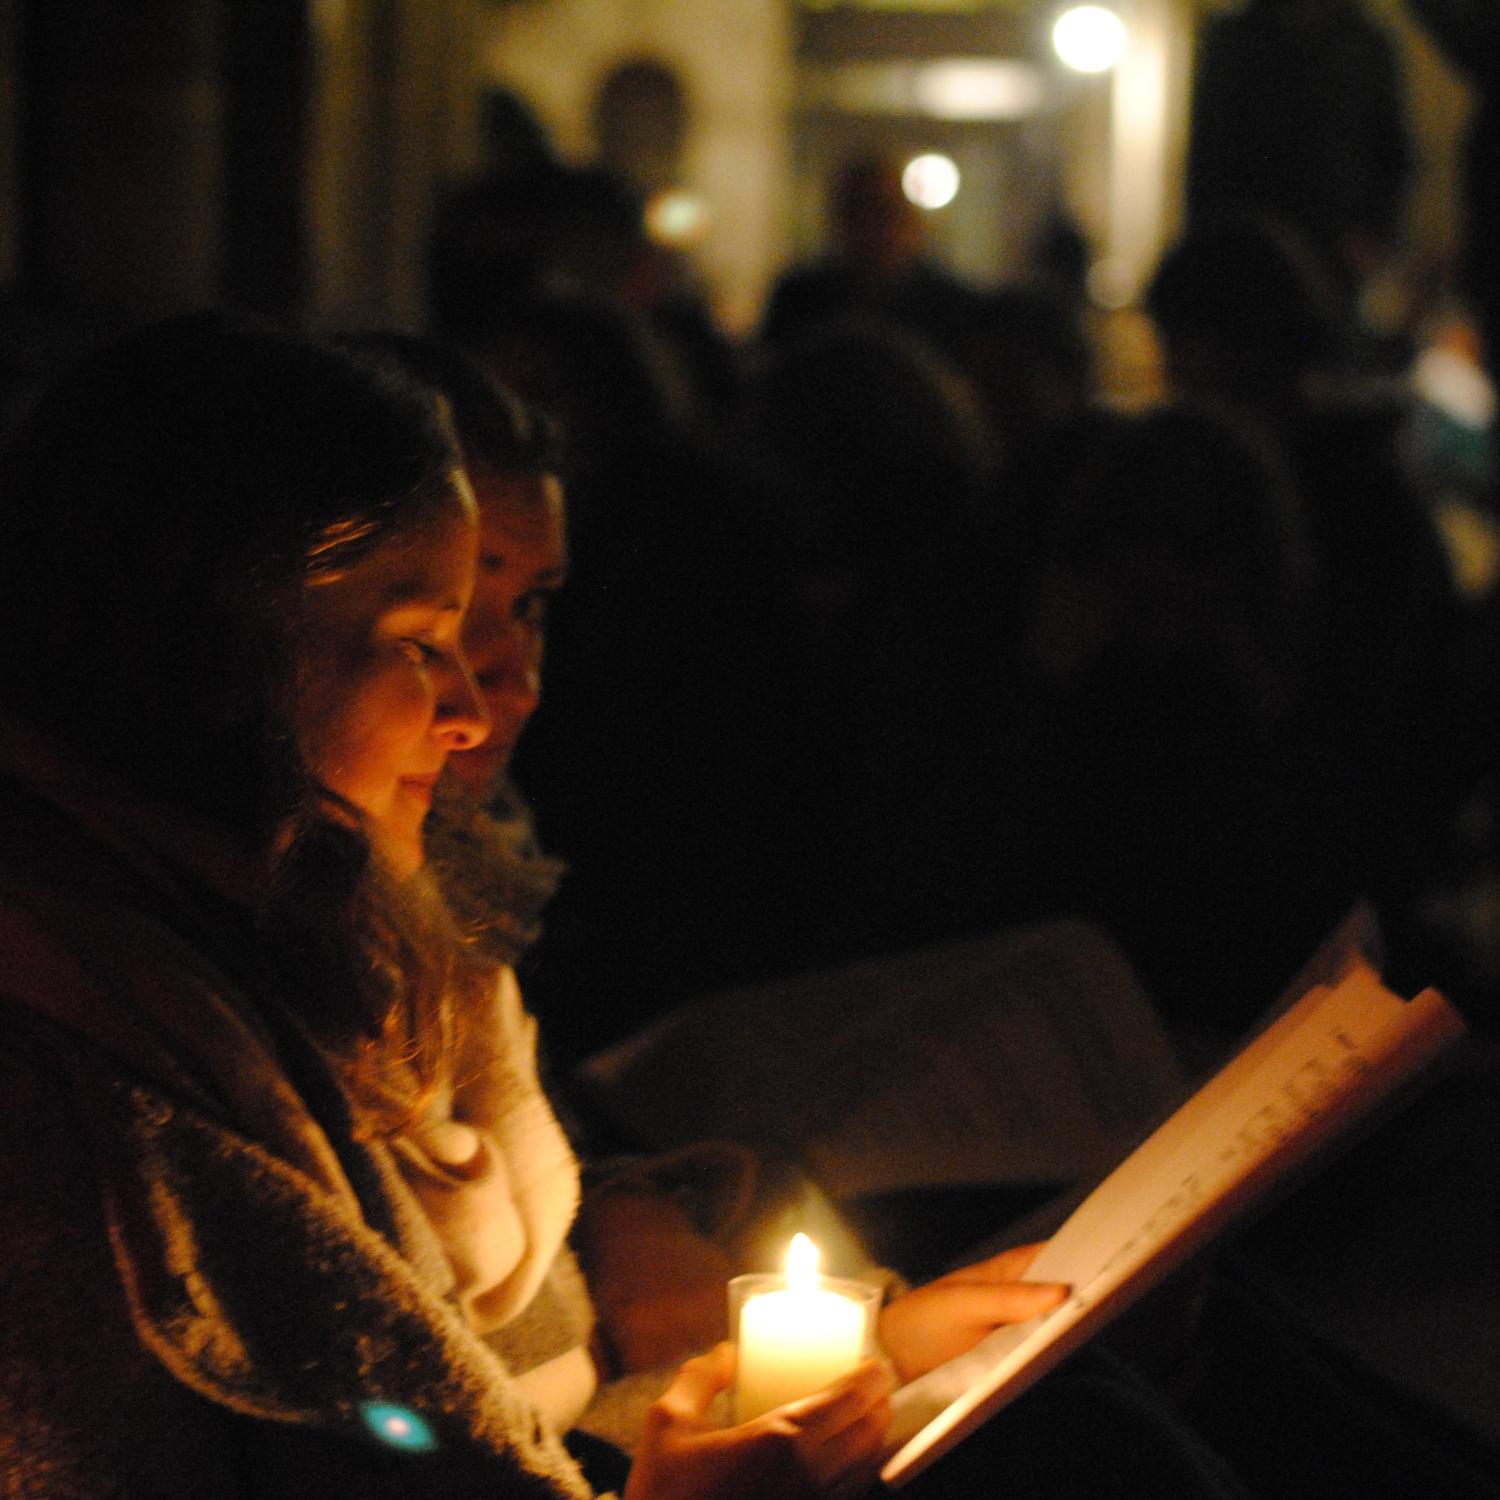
point(1324, 1063)
point(1028, 1057)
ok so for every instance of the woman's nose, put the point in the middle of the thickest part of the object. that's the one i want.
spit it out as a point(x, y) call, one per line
point(462, 721)
point(512, 686)
point(508, 668)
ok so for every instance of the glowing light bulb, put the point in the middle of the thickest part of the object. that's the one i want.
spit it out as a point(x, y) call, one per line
point(930, 181)
point(1089, 38)
point(676, 217)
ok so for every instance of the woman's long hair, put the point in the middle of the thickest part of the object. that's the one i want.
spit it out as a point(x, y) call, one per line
point(486, 859)
point(162, 513)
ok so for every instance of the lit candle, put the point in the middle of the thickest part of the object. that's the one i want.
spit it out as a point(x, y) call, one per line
point(799, 1337)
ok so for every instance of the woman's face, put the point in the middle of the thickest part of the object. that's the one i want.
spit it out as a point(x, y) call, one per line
point(523, 561)
point(388, 694)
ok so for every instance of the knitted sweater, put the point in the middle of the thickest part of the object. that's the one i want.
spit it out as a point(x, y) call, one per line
point(208, 1285)
point(495, 1175)
point(499, 1184)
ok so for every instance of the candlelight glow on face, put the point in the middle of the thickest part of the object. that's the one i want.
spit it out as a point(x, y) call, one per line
point(797, 1333)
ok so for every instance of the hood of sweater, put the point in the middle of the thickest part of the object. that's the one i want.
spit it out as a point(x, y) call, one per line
point(137, 889)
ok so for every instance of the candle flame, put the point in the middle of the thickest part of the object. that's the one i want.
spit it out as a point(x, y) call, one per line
point(802, 1264)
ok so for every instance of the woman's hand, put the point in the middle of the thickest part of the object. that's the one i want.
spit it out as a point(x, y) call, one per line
point(656, 1282)
point(941, 1320)
point(827, 1445)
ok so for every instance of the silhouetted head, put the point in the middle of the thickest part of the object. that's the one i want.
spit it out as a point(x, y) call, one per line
point(1032, 363)
point(515, 140)
point(589, 364)
point(876, 228)
point(1244, 311)
point(1179, 543)
point(881, 438)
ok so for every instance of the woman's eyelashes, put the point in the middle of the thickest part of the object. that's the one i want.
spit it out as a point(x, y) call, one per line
point(428, 650)
point(427, 638)
point(423, 653)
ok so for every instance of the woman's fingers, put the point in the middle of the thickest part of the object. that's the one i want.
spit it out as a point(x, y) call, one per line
point(693, 1388)
point(1015, 1299)
point(1012, 1301)
point(1008, 1265)
point(847, 1402)
point(847, 1462)
point(936, 1322)
point(827, 1446)
point(837, 1437)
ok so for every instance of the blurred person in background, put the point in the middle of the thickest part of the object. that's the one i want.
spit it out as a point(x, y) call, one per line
point(876, 265)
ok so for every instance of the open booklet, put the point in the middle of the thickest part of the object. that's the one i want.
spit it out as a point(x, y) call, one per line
point(1029, 1057)
point(1323, 1064)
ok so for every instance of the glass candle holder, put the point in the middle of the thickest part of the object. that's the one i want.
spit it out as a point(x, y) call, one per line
point(795, 1335)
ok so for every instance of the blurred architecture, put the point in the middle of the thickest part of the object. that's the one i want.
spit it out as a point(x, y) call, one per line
point(287, 153)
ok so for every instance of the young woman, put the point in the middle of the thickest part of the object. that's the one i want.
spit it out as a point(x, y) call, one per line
point(654, 1278)
point(596, 1346)
point(232, 580)
point(513, 462)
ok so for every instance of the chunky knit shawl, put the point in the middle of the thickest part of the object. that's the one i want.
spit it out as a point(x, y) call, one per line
point(208, 1284)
